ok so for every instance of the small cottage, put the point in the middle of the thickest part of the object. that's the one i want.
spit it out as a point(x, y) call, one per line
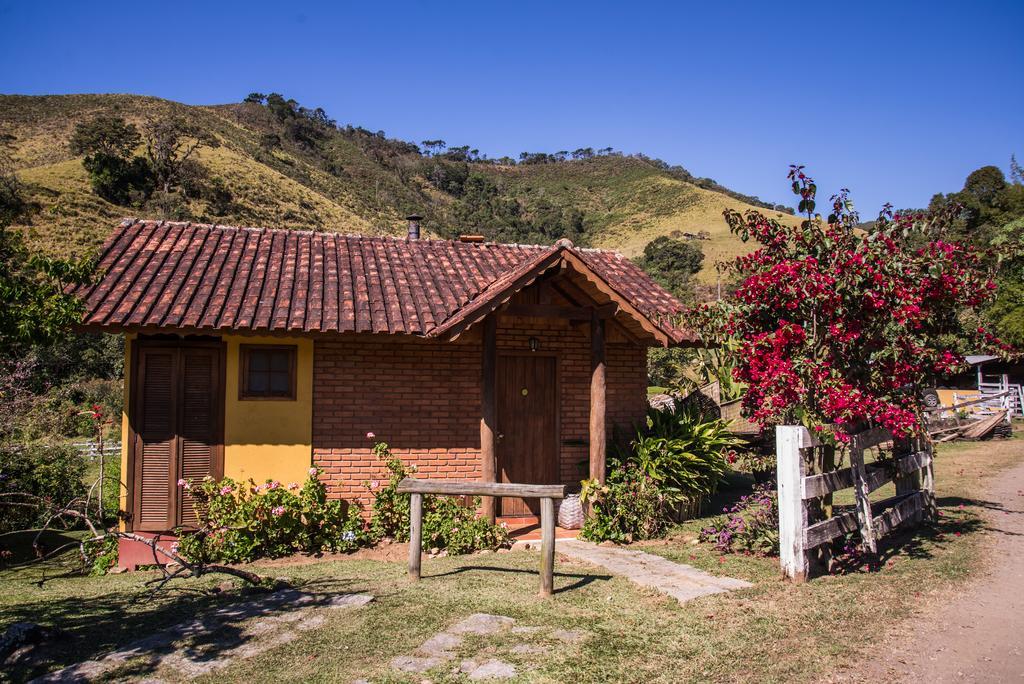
point(255, 353)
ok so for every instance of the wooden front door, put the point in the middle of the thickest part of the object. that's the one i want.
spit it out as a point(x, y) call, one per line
point(177, 417)
point(527, 421)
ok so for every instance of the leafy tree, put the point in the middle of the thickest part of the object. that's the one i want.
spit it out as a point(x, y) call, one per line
point(108, 143)
point(434, 147)
point(673, 263)
point(170, 143)
point(35, 307)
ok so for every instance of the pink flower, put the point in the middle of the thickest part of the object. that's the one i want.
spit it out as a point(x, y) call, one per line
point(277, 511)
point(273, 485)
point(312, 471)
point(370, 435)
point(374, 484)
point(226, 489)
point(182, 482)
point(293, 485)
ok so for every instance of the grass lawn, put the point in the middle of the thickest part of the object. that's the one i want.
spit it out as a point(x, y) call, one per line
point(774, 631)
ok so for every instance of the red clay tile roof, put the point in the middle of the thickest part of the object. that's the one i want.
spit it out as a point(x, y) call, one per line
point(157, 274)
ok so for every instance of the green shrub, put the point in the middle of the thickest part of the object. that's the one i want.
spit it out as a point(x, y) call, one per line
point(447, 522)
point(675, 458)
point(53, 473)
point(629, 507)
point(241, 522)
point(684, 452)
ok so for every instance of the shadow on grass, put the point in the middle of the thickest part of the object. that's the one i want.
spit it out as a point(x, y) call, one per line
point(581, 579)
point(920, 542)
point(96, 625)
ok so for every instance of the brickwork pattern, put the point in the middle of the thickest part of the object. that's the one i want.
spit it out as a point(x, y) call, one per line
point(423, 398)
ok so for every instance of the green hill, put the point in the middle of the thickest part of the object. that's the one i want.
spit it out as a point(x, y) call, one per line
point(286, 166)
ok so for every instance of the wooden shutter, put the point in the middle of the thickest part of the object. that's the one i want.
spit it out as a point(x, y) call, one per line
point(156, 439)
point(199, 432)
point(177, 418)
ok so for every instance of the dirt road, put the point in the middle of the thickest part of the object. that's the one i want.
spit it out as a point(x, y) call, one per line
point(979, 635)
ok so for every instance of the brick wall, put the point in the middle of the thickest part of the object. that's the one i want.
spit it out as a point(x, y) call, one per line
point(423, 398)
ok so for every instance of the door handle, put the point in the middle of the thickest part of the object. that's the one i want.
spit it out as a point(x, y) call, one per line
point(501, 436)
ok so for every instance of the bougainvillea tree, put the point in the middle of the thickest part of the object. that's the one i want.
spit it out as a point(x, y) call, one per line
point(841, 324)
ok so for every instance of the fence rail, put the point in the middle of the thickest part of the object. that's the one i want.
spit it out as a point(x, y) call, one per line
point(799, 493)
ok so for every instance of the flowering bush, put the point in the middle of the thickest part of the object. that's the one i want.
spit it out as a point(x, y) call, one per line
point(447, 523)
point(837, 324)
point(751, 525)
point(240, 522)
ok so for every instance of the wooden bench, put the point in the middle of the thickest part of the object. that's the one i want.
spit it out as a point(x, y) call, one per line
point(546, 493)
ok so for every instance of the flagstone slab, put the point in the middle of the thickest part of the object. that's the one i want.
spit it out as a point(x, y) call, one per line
point(680, 581)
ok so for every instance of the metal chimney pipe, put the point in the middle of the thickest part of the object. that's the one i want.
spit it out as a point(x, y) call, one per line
point(414, 226)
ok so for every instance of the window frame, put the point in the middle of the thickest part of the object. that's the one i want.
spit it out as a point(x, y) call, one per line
point(244, 354)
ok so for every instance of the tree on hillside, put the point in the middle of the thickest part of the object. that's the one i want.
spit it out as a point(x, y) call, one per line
point(170, 143)
point(673, 264)
point(987, 202)
point(108, 143)
point(990, 213)
point(434, 147)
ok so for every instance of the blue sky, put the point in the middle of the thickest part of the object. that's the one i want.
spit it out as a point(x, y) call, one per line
point(895, 100)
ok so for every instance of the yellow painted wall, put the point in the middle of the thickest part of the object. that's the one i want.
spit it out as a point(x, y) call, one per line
point(269, 439)
point(128, 340)
point(947, 397)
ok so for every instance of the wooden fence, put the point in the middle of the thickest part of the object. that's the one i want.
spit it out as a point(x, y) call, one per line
point(546, 493)
point(801, 493)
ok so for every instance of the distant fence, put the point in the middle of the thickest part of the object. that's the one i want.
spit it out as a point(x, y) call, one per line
point(90, 450)
point(800, 493)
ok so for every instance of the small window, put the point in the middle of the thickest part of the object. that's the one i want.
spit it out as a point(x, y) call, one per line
point(268, 372)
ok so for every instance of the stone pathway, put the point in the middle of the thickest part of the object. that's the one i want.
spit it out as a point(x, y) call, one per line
point(682, 582)
point(443, 647)
point(198, 647)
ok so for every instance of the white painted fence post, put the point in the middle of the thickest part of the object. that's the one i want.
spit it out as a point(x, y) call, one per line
point(789, 439)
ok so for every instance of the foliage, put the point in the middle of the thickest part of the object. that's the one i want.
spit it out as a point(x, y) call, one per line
point(837, 325)
point(751, 525)
point(683, 452)
point(447, 522)
point(628, 507)
point(53, 473)
point(100, 555)
point(675, 458)
point(241, 522)
point(36, 309)
point(753, 460)
point(673, 264)
point(44, 390)
point(1007, 311)
point(451, 525)
point(108, 143)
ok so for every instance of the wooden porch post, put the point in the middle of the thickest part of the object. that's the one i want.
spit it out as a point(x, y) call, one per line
point(488, 470)
point(598, 441)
